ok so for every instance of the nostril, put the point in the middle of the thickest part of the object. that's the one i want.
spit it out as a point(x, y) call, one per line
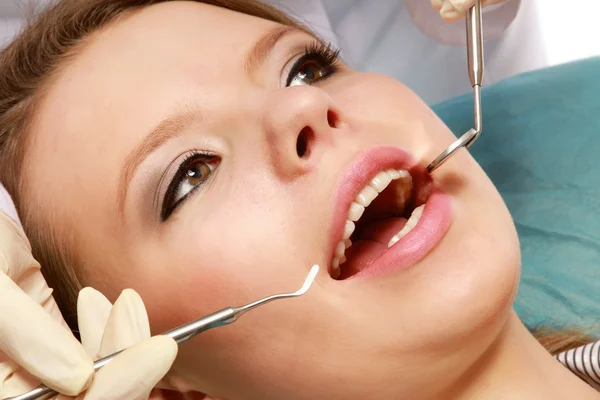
point(302, 142)
point(332, 119)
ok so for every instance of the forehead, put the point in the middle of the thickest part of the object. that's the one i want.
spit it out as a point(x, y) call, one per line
point(168, 48)
point(125, 80)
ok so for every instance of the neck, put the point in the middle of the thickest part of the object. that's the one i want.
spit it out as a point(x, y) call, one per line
point(516, 366)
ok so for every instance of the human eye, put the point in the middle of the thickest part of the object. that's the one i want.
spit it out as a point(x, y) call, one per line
point(318, 62)
point(191, 174)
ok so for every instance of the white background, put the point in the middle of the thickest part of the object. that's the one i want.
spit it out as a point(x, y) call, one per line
point(571, 29)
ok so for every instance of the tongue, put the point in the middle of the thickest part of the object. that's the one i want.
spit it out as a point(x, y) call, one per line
point(372, 243)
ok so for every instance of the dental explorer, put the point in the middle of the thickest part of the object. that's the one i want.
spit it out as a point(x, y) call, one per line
point(187, 331)
point(475, 66)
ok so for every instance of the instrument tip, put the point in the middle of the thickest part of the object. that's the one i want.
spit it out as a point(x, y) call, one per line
point(309, 280)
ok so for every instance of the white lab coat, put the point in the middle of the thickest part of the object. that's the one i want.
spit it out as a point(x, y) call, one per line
point(409, 41)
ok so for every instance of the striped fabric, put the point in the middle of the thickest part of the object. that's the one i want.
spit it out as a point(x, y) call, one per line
point(583, 361)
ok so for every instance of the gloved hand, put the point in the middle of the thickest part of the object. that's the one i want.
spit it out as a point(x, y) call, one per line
point(106, 329)
point(453, 10)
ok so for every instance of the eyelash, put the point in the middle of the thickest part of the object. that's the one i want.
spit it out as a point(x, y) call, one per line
point(169, 205)
point(321, 52)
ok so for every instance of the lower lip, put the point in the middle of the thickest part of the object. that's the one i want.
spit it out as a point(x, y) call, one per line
point(419, 242)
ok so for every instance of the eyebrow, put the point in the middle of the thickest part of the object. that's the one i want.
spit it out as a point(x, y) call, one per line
point(174, 125)
point(169, 128)
point(262, 48)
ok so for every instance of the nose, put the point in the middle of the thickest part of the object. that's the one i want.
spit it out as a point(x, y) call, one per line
point(300, 124)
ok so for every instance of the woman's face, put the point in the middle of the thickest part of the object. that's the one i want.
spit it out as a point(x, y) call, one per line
point(172, 154)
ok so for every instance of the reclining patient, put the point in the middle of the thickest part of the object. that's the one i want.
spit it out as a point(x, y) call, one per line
point(207, 157)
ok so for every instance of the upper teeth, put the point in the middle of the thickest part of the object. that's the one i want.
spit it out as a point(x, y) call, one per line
point(365, 198)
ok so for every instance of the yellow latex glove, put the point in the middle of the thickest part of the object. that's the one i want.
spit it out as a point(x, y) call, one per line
point(454, 10)
point(106, 329)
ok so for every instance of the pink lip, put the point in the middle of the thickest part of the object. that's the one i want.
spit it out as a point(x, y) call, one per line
point(432, 225)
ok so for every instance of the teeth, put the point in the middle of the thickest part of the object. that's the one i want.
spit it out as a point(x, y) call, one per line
point(348, 229)
point(394, 173)
point(366, 196)
point(381, 181)
point(410, 224)
point(364, 199)
point(340, 249)
point(335, 268)
point(398, 173)
point(403, 174)
point(339, 257)
point(356, 211)
point(403, 191)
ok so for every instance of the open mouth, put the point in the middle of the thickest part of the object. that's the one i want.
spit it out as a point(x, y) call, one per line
point(387, 209)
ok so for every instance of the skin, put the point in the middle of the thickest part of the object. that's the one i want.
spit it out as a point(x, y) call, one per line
point(441, 329)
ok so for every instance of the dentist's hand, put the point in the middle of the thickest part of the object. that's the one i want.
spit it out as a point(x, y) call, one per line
point(106, 329)
point(453, 10)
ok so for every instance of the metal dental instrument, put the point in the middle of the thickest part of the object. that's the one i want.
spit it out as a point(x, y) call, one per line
point(475, 65)
point(186, 332)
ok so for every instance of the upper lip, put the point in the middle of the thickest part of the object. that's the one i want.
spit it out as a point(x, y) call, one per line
point(358, 174)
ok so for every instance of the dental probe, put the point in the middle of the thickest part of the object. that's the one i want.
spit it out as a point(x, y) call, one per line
point(475, 66)
point(186, 332)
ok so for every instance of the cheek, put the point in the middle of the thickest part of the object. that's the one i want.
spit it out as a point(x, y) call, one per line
point(391, 113)
point(241, 251)
point(381, 98)
point(478, 265)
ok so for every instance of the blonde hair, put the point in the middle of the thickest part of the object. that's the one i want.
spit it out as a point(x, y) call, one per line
point(558, 340)
point(26, 67)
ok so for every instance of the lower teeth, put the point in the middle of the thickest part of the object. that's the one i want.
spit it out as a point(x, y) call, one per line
point(415, 216)
point(410, 224)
